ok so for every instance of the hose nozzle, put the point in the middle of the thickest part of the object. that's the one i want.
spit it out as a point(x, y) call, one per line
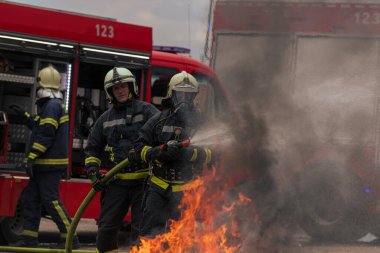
point(181, 144)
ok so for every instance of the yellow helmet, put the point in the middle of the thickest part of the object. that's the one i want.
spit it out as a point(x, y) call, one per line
point(120, 75)
point(182, 82)
point(50, 78)
point(182, 90)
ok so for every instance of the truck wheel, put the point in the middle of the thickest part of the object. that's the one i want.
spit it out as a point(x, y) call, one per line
point(11, 227)
point(332, 204)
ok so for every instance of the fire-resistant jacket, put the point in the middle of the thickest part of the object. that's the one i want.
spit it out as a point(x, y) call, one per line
point(50, 136)
point(161, 129)
point(116, 130)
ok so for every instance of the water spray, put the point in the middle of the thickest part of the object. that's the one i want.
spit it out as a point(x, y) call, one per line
point(213, 137)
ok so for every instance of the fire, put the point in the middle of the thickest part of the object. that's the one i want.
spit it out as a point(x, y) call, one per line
point(207, 223)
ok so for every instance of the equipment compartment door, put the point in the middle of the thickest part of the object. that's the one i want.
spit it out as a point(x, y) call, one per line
point(335, 82)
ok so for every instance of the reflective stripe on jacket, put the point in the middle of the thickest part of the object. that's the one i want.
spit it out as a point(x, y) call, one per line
point(161, 129)
point(50, 135)
point(117, 129)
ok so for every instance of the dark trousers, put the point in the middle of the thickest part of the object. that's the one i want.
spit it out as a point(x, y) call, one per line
point(159, 206)
point(43, 192)
point(116, 200)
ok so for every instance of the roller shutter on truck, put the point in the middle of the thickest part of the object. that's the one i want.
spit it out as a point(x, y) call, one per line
point(336, 79)
point(333, 78)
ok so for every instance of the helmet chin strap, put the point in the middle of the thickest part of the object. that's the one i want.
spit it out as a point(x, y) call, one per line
point(115, 102)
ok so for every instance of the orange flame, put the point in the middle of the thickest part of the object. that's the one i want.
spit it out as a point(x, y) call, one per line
point(206, 224)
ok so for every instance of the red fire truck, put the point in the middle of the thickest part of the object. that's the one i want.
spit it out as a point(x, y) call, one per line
point(83, 48)
point(311, 69)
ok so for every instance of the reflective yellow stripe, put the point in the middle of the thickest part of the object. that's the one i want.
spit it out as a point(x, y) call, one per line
point(177, 188)
point(164, 184)
point(27, 114)
point(172, 182)
point(208, 155)
point(36, 118)
point(30, 233)
point(32, 155)
point(61, 214)
point(134, 175)
point(112, 154)
point(92, 159)
point(144, 151)
point(39, 147)
point(49, 121)
point(64, 119)
point(159, 182)
point(58, 161)
point(195, 155)
point(143, 170)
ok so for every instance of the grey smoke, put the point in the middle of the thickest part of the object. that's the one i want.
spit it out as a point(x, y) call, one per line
point(284, 108)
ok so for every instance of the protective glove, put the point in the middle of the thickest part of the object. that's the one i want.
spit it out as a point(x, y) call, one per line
point(214, 157)
point(168, 154)
point(201, 155)
point(28, 166)
point(95, 178)
point(17, 109)
point(133, 158)
point(24, 116)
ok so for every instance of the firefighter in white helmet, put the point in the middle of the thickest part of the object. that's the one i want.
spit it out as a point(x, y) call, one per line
point(160, 143)
point(116, 129)
point(46, 160)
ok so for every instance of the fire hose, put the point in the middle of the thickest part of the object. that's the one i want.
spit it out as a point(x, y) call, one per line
point(70, 234)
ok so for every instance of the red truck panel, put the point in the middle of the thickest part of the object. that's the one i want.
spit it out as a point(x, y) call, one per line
point(10, 191)
point(74, 27)
point(73, 193)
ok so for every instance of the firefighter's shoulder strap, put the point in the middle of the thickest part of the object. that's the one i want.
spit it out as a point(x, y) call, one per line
point(161, 122)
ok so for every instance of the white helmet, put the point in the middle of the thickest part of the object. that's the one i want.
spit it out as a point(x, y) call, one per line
point(49, 78)
point(120, 75)
point(183, 87)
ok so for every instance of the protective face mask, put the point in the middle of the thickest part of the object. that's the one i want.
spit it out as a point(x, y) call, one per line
point(48, 93)
point(181, 97)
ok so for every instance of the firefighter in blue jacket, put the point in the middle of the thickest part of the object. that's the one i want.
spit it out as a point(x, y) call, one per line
point(172, 166)
point(46, 160)
point(115, 131)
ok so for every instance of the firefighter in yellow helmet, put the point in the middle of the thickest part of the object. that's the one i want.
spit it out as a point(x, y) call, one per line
point(172, 164)
point(117, 129)
point(46, 160)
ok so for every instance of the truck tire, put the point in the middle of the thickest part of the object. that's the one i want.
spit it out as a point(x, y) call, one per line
point(11, 227)
point(332, 204)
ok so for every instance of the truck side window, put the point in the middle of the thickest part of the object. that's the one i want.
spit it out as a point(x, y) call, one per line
point(208, 91)
point(159, 81)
